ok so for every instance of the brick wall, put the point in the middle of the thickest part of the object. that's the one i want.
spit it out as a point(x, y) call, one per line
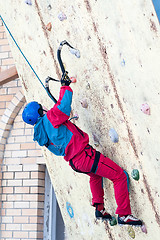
point(7, 92)
point(22, 201)
point(6, 59)
point(22, 173)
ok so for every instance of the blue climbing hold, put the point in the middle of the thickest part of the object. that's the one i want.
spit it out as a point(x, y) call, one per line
point(29, 2)
point(123, 63)
point(113, 135)
point(62, 16)
point(70, 210)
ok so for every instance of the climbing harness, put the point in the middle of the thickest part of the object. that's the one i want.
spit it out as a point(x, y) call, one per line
point(95, 163)
point(64, 73)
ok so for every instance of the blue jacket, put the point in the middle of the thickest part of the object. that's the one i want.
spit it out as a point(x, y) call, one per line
point(56, 132)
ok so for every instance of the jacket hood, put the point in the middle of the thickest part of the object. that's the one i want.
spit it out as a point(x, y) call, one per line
point(40, 134)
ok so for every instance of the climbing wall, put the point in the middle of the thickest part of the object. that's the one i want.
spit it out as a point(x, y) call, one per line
point(117, 98)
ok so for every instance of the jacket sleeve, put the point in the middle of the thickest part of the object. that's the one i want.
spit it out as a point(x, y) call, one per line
point(62, 109)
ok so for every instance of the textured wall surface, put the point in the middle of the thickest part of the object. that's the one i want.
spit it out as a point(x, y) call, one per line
point(118, 72)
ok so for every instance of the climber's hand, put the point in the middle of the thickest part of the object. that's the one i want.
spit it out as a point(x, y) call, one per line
point(65, 80)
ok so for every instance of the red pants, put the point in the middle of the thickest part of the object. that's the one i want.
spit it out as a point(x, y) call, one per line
point(108, 169)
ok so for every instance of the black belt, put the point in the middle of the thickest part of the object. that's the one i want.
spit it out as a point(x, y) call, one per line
point(94, 166)
point(96, 161)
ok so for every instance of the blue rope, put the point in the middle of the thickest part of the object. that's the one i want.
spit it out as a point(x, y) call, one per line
point(24, 55)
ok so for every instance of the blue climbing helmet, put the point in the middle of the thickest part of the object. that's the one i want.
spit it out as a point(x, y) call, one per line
point(32, 112)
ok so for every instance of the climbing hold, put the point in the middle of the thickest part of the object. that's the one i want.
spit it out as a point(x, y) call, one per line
point(84, 103)
point(73, 79)
point(113, 135)
point(143, 228)
point(49, 26)
point(96, 144)
point(135, 174)
point(131, 232)
point(96, 140)
point(75, 52)
point(69, 209)
point(113, 221)
point(88, 86)
point(74, 117)
point(145, 108)
point(29, 2)
point(123, 63)
point(49, 7)
point(62, 16)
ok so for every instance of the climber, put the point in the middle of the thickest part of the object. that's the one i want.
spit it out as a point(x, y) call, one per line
point(63, 138)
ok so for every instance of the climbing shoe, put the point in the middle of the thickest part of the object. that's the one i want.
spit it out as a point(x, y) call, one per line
point(100, 213)
point(130, 220)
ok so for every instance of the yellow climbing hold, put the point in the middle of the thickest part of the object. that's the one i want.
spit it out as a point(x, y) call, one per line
point(131, 232)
